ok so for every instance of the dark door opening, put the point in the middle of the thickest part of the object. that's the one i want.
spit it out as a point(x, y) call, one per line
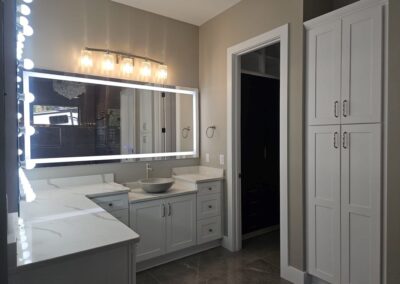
point(260, 86)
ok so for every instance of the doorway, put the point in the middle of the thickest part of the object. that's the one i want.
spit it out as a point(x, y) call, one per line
point(233, 237)
point(259, 149)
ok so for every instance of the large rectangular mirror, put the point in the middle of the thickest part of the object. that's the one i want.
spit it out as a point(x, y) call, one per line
point(86, 119)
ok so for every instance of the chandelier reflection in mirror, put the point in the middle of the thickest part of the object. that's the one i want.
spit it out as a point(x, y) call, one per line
point(109, 62)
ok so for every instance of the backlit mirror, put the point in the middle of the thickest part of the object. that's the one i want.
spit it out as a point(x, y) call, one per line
point(86, 119)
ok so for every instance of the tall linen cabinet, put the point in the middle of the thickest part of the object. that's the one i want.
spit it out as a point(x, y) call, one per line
point(344, 116)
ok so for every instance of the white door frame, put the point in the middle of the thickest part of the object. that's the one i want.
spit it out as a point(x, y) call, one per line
point(233, 240)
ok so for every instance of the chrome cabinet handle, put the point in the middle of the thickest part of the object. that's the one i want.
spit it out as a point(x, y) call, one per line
point(345, 108)
point(345, 145)
point(335, 110)
point(169, 209)
point(335, 136)
point(163, 211)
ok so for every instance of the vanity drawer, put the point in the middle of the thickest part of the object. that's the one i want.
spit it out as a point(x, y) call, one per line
point(121, 215)
point(113, 202)
point(209, 188)
point(208, 205)
point(208, 230)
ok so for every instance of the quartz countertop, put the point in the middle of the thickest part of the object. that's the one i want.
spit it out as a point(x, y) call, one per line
point(139, 195)
point(197, 174)
point(63, 221)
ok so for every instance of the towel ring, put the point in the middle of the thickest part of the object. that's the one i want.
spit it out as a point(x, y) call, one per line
point(185, 132)
point(213, 127)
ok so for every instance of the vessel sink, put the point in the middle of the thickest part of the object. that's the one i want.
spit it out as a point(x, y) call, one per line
point(156, 185)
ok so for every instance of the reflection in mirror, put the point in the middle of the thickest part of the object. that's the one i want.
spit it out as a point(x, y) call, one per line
point(85, 119)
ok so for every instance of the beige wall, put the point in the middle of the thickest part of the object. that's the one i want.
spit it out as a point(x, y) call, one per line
point(64, 27)
point(247, 19)
point(393, 150)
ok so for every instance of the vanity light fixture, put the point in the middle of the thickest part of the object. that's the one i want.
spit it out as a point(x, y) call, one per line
point(126, 62)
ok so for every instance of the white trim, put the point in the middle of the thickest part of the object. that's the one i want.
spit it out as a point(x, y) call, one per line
point(233, 240)
point(178, 90)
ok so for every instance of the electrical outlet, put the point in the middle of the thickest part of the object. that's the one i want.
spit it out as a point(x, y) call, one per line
point(207, 157)
point(221, 160)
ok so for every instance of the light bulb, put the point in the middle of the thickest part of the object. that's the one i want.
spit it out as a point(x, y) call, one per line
point(27, 97)
point(30, 130)
point(27, 30)
point(145, 69)
point(28, 1)
point(108, 62)
point(23, 21)
point(86, 59)
point(19, 116)
point(28, 64)
point(19, 79)
point(127, 66)
point(20, 37)
point(24, 9)
point(162, 72)
point(20, 152)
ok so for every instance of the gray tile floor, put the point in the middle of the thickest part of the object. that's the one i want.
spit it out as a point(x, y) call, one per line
point(257, 262)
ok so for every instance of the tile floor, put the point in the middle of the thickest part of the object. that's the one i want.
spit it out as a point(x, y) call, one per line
point(257, 262)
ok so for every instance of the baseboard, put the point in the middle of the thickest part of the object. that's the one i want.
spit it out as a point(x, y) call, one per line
point(295, 275)
point(147, 264)
point(260, 232)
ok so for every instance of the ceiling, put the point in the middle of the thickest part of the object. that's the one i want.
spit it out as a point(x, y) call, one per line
point(195, 12)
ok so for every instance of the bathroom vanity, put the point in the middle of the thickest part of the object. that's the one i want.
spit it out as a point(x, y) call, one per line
point(184, 220)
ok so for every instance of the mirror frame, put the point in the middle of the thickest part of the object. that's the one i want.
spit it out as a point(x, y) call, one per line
point(83, 78)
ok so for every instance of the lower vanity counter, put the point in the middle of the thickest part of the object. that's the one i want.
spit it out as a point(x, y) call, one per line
point(64, 237)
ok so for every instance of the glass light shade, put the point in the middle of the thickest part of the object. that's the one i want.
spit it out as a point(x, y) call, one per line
point(28, 64)
point(20, 152)
point(127, 66)
point(86, 59)
point(145, 69)
point(28, 1)
point(162, 72)
point(27, 30)
point(19, 79)
point(108, 62)
point(23, 21)
point(24, 9)
point(19, 116)
point(30, 131)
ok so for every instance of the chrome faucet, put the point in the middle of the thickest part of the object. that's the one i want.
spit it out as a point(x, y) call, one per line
point(148, 169)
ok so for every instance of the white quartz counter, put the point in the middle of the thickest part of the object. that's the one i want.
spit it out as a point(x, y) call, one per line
point(64, 221)
point(197, 174)
point(139, 195)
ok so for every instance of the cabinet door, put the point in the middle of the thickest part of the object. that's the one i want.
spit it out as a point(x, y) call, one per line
point(181, 222)
point(323, 74)
point(362, 67)
point(323, 195)
point(361, 197)
point(148, 220)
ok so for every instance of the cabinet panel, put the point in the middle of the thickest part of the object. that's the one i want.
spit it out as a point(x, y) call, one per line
point(362, 67)
point(181, 222)
point(148, 220)
point(323, 190)
point(323, 74)
point(208, 206)
point(209, 229)
point(361, 197)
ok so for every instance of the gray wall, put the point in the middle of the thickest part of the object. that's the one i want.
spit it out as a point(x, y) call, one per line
point(247, 19)
point(64, 27)
point(393, 148)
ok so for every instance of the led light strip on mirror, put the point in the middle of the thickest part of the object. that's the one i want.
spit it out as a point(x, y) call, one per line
point(29, 98)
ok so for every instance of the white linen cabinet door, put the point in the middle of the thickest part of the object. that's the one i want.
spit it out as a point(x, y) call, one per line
point(323, 74)
point(181, 222)
point(148, 220)
point(362, 40)
point(360, 206)
point(323, 198)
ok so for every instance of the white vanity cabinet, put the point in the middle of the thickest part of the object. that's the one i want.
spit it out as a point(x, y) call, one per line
point(165, 225)
point(116, 204)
